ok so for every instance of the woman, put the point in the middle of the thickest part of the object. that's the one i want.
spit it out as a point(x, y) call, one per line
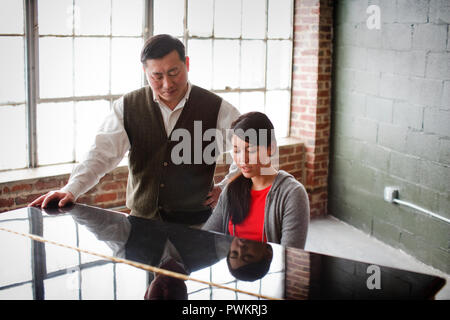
point(261, 203)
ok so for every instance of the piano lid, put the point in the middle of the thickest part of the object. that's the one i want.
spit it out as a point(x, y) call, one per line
point(85, 252)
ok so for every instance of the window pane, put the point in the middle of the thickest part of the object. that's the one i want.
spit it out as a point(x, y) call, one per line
point(60, 229)
point(91, 66)
point(277, 109)
point(23, 292)
point(55, 132)
point(131, 282)
point(93, 17)
point(98, 282)
point(12, 76)
point(55, 67)
point(231, 97)
point(65, 287)
point(252, 64)
point(254, 19)
point(13, 146)
point(226, 64)
point(11, 16)
point(15, 264)
point(126, 69)
point(89, 117)
point(87, 239)
point(168, 17)
point(56, 17)
point(127, 17)
point(227, 18)
point(252, 101)
point(280, 19)
point(200, 62)
point(200, 17)
point(279, 64)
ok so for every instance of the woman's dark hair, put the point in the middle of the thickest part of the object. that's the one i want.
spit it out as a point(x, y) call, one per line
point(238, 190)
point(160, 45)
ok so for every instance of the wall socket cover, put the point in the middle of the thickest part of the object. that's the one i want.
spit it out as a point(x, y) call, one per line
point(390, 193)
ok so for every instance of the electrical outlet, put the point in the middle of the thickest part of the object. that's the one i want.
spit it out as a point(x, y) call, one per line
point(390, 193)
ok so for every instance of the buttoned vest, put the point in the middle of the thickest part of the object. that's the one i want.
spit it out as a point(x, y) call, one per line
point(169, 178)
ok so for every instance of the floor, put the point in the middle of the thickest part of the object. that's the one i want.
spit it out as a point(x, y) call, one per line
point(332, 236)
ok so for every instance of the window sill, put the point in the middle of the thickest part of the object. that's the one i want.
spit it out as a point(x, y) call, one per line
point(65, 169)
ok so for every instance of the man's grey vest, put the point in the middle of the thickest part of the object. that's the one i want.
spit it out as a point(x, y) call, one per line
point(157, 187)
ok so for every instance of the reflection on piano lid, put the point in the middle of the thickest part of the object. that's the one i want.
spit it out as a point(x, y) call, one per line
point(135, 258)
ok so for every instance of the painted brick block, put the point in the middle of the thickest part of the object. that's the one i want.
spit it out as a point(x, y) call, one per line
point(430, 37)
point(439, 11)
point(424, 91)
point(412, 11)
point(379, 60)
point(423, 145)
point(367, 82)
point(410, 63)
point(444, 152)
point(394, 86)
point(435, 176)
point(397, 36)
point(437, 121)
point(379, 109)
point(438, 66)
point(407, 115)
point(445, 99)
point(405, 167)
point(393, 137)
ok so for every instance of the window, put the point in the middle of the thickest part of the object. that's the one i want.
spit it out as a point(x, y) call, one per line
point(12, 86)
point(88, 56)
point(240, 49)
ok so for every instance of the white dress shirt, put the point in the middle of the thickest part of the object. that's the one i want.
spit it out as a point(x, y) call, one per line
point(112, 143)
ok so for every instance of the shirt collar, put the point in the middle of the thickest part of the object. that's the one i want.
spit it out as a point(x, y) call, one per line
point(180, 104)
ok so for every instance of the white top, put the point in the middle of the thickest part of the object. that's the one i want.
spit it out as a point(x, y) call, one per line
point(111, 143)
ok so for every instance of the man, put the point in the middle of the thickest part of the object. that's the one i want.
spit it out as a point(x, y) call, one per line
point(142, 122)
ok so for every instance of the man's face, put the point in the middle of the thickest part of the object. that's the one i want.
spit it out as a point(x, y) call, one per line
point(168, 78)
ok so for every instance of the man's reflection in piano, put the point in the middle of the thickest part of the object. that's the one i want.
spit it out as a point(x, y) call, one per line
point(175, 248)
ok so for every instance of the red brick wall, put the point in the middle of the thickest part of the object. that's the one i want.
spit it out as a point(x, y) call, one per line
point(110, 192)
point(297, 280)
point(311, 93)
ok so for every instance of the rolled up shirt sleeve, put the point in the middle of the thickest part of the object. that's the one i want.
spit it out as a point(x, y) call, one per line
point(110, 145)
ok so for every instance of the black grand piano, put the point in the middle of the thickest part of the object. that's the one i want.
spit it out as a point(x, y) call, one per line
point(83, 253)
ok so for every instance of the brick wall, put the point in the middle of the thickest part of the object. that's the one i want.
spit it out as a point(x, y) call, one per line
point(311, 93)
point(391, 123)
point(110, 192)
point(297, 279)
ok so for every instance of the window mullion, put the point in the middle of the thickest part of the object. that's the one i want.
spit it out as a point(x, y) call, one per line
point(31, 77)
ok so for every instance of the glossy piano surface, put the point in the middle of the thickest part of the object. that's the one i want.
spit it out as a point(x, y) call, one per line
point(202, 265)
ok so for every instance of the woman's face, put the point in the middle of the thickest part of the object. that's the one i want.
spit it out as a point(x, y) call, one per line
point(243, 252)
point(250, 158)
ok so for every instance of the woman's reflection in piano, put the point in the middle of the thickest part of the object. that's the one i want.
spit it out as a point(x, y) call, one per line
point(249, 260)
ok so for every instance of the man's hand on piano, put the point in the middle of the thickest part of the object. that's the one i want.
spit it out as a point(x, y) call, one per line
point(61, 197)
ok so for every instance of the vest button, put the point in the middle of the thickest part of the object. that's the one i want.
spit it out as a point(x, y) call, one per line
point(165, 164)
point(162, 185)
